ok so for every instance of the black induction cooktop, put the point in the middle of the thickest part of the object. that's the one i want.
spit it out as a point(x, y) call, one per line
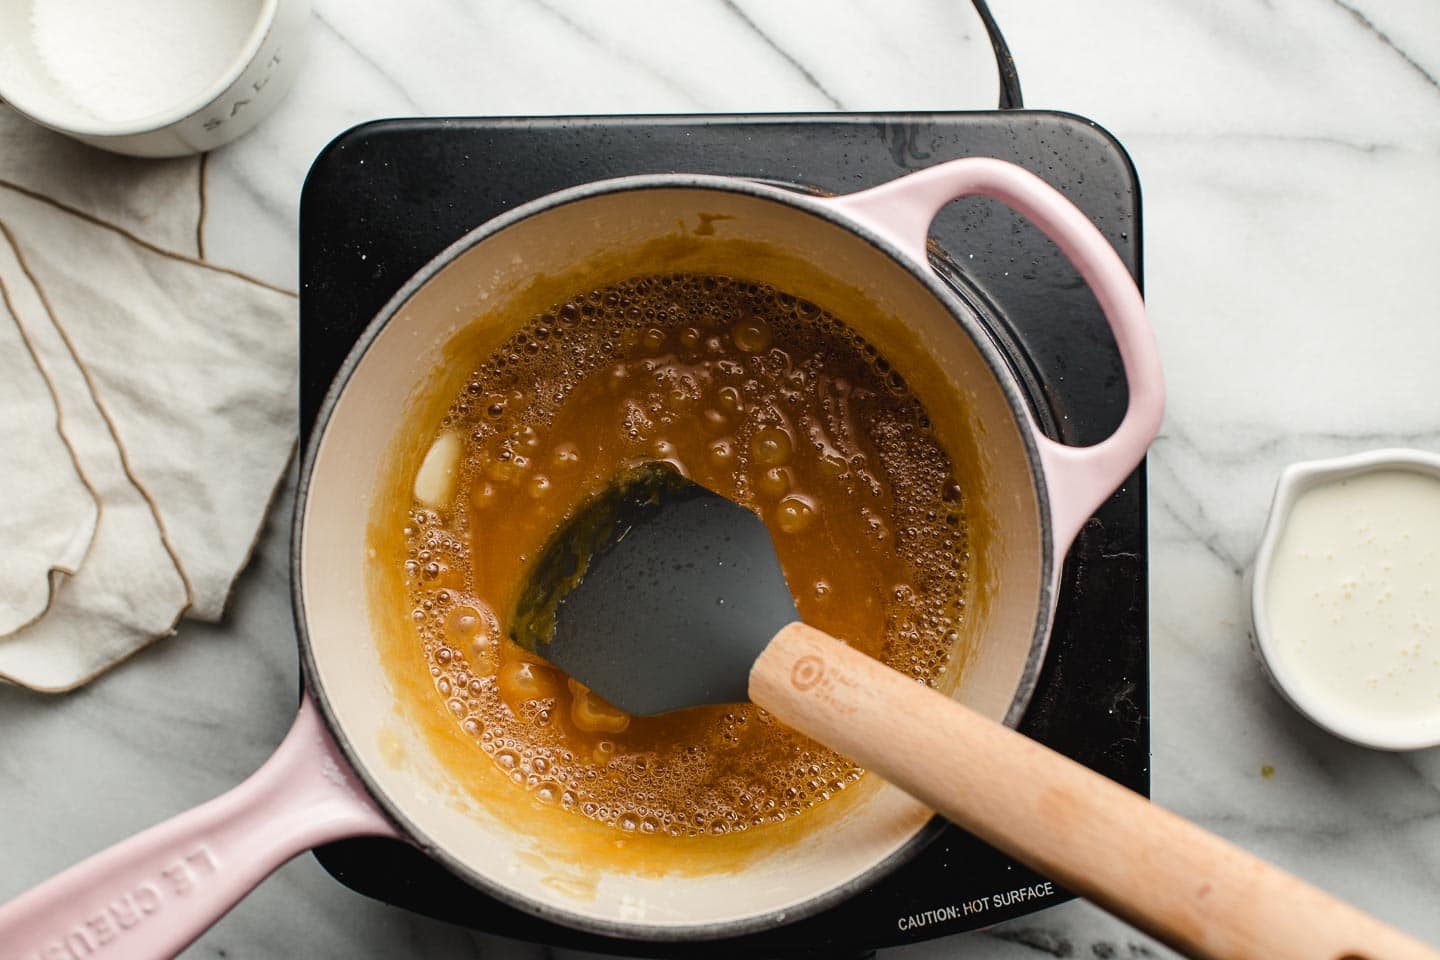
point(386, 197)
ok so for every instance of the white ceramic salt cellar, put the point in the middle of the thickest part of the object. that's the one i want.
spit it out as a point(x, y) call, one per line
point(1345, 596)
point(150, 78)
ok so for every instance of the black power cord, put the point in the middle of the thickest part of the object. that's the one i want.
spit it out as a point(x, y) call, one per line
point(1010, 98)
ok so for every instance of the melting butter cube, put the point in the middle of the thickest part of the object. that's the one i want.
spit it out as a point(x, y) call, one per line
point(435, 481)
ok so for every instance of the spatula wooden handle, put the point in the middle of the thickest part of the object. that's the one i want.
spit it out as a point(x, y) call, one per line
point(1189, 888)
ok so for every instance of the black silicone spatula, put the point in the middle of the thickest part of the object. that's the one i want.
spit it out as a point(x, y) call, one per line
point(660, 594)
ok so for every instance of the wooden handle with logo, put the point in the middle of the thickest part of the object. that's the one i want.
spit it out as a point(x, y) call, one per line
point(1182, 884)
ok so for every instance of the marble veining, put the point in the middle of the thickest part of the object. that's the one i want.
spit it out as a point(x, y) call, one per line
point(1289, 155)
point(1384, 38)
point(800, 68)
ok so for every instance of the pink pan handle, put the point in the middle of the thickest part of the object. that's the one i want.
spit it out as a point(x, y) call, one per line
point(1079, 478)
point(153, 894)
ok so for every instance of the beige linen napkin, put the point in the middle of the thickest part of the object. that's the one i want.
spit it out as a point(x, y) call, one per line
point(50, 515)
point(172, 382)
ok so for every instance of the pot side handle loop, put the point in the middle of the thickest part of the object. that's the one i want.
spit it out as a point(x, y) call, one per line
point(1079, 479)
point(153, 894)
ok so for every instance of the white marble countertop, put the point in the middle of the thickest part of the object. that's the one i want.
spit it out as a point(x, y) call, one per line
point(1289, 154)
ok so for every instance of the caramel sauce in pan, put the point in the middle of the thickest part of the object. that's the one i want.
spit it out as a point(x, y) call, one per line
point(755, 394)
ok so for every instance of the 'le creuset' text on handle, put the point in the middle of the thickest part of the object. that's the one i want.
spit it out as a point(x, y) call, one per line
point(150, 896)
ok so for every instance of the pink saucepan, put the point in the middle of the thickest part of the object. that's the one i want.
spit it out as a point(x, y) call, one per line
point(861, 256)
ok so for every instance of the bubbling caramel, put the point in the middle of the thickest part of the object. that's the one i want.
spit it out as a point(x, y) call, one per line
point(755, 394)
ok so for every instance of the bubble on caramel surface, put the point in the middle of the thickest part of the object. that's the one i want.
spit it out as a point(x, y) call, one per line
point(758, 395)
